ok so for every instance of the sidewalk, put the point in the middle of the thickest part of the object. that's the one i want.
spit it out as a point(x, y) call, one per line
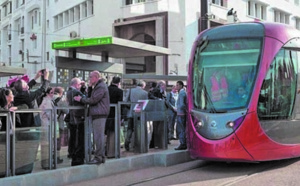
point(65, 174)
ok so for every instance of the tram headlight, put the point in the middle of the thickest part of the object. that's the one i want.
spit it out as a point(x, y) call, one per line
point(230, 124)
point(198, 124)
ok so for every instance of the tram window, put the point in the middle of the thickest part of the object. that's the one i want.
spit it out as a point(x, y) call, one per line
point(277, 94)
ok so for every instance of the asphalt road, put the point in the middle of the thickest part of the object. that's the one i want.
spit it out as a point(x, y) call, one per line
point(277, 173)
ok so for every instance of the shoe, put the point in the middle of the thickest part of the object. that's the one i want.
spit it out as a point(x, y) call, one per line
point(127, 146)
point(59, 160)
point(181, 147)
point(75, 163)
point(95, 161)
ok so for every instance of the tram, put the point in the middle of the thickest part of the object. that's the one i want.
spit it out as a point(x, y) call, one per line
point(243, 101)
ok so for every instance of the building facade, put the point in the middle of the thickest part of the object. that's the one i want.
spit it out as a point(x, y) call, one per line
point(28, 27)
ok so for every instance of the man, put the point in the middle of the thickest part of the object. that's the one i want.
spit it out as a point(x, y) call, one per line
point(159, 92)
point(115, 95)
point(171, 102)
point(181, 115)
point(98, 110)
point(27, 97)
point(76, 124)
point(133, 95)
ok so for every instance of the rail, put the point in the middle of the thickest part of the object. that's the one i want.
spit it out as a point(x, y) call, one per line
point(51, 131)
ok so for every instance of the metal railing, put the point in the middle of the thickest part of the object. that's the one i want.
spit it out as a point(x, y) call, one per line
point(11, 133)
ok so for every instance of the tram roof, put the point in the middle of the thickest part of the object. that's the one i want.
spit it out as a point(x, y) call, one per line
point(115, 47)
point(6, 71)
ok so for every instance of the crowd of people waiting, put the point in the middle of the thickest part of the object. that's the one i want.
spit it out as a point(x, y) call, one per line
point(98, 96)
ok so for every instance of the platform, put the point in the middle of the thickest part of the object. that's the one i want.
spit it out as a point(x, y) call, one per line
point(65, 174)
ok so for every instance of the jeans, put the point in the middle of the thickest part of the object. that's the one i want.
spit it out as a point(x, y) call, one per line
point(181, 125)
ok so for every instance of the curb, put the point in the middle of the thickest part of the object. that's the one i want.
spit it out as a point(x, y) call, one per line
point(69, 175)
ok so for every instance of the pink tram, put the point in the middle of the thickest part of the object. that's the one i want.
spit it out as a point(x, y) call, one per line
point(242, 93)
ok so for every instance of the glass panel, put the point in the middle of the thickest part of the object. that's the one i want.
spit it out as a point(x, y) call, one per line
point(278, 91)
point(224, 72)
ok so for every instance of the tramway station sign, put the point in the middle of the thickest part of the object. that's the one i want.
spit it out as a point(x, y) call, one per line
point(82, 42)
point(112, 46)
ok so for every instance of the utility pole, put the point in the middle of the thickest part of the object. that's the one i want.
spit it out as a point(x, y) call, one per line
point(44, 25)
point(204, 22)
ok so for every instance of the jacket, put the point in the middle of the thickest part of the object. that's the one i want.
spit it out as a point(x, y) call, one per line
point(181, 103)
point(78, 113)
point(98, 101)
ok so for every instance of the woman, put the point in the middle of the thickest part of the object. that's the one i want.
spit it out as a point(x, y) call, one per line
point(60, 101)
point(6, 104)
point(46, 115)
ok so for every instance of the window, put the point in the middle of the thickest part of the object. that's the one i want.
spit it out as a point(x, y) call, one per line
point(66, 18)
point(281, 17)
point(278, 91)
point(257, 10)
point(84, 9)
point(128, 2)
point(220, 2)
point(90, 7)
point(77, 13)
point(297, 23)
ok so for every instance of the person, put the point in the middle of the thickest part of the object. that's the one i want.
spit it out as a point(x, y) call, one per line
point(181, 115)
point(46, 115)
point(98, 101)
point(76, 124)
point(242, 95)
point(133, 95)
point(158, 93)
point(171, 102)
point(6, 105)
point(25, 96)
point(60, 101)
point(115, 95)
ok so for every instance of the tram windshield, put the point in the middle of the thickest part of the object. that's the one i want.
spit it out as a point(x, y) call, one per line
point(224, 73)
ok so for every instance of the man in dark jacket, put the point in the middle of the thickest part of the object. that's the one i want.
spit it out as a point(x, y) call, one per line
point(115, 95)
point(76, 124)
point(98, 110)
point(27, 97)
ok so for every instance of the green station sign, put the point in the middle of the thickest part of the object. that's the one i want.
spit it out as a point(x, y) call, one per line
point(82, 42)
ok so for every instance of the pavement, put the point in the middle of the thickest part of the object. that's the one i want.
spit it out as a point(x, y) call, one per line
point(65, 174)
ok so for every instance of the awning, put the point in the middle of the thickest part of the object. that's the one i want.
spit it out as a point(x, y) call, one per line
point(6, 71)
point(112, 46)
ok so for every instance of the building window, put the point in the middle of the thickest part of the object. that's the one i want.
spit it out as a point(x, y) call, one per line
point(66, 18)
point(128, 2)
point(220, 2)
point(281, 17)
point(257, 10)
point(297, 23)
point(90, 7)
point(71, 14)
point(84, 9)
point(76, 13)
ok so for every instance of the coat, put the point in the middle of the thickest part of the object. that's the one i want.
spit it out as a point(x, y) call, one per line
point(135, 94)
point(98, 100)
